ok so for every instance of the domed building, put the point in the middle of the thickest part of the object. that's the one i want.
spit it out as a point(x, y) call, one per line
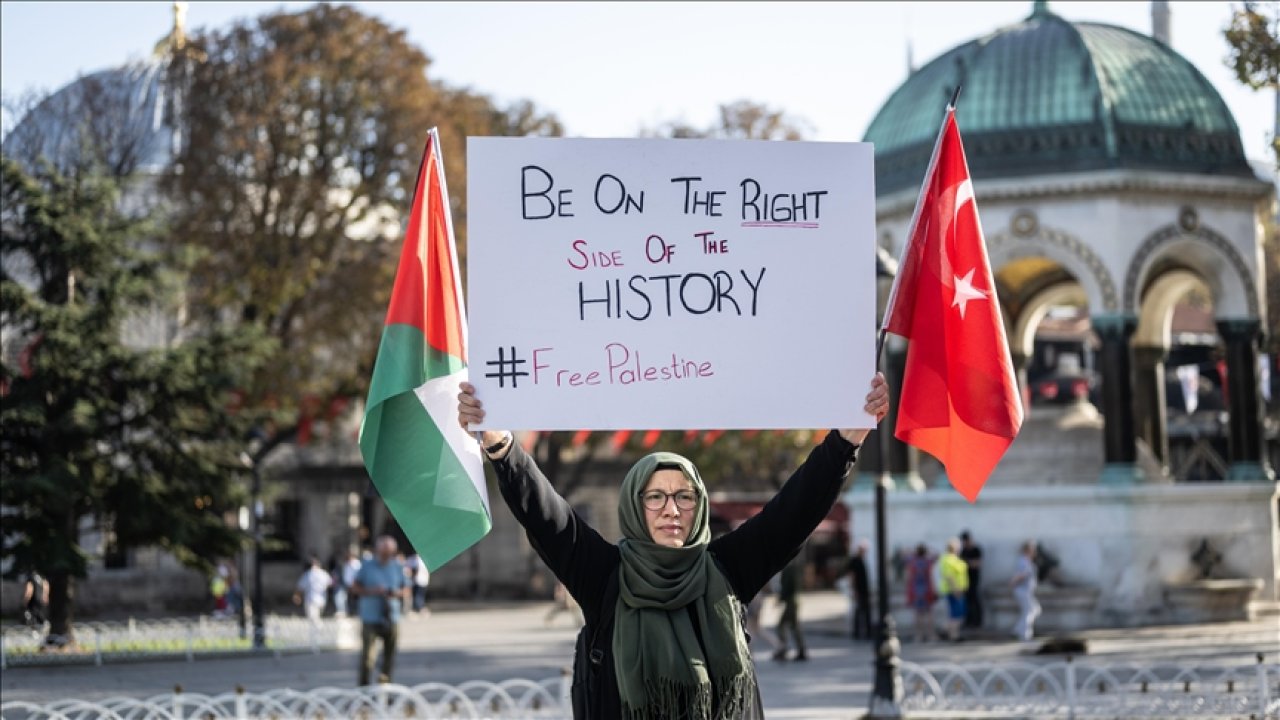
point(1118, 209)
point(121, 121)
point(124, 113)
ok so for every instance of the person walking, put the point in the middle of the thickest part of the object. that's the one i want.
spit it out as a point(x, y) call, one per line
point(860, 589)
point(235, 591)
point(664, 607)
point(971, 554)
point(420, 577)
point(35, 599)
point(344, 578)
point(920, 593)
point(953, 584)
point(382, 589)
point(312, 590)
point(789, 583)
point(1023, 583)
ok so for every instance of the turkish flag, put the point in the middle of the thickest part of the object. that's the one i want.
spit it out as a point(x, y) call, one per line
point(959, 399)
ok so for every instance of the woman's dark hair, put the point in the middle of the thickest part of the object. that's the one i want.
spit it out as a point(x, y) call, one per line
point(921, 550)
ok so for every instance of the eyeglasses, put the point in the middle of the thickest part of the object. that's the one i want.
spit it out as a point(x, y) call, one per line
point(656, 499)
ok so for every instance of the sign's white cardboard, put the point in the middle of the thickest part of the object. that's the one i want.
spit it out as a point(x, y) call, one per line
point(670, 284)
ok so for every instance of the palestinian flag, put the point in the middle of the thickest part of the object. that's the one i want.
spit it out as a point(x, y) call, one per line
point(426, 467)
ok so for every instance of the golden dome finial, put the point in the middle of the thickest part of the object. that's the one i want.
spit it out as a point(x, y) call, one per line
point(179, 34)
point(175, 43)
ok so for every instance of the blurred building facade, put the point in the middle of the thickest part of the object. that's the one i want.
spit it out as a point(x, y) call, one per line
point(1124, 228)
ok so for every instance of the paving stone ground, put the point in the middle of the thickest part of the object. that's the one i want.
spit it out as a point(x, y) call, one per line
point(491, 641)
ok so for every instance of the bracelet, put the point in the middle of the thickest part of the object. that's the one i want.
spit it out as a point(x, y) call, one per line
point(498, 447)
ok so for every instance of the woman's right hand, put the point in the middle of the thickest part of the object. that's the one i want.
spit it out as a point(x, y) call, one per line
point(471, 410)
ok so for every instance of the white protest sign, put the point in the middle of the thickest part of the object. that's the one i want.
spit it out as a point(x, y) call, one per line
point(670, 284)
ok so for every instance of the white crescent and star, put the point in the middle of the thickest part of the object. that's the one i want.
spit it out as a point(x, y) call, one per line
point(965, 291)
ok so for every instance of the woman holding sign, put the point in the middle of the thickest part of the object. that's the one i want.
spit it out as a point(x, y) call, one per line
point(664, 607)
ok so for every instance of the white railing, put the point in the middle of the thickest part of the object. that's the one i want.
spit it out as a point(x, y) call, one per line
point(1070, 689)
point(183, 638)
point(1074, 688)
point(547, 700)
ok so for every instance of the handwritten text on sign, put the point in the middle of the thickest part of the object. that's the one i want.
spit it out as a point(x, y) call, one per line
point(670, 284)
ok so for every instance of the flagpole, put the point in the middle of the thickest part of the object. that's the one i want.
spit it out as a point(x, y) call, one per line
point(887, 692)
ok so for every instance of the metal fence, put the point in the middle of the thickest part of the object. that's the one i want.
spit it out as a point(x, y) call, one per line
point(184, 638)
point(512, 699)
point(1063, 689)
point(1073, 689)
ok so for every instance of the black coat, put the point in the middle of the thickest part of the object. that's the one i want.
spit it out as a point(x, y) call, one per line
point(861, 587)
point(587, 563)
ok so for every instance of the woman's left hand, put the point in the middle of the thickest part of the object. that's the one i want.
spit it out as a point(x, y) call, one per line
point(877, 405)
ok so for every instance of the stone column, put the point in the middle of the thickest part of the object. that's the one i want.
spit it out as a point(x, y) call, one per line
point(901, 460)
point(1020, 363)
point(1241, 338)
point(1120, 450)
point(1150, 407)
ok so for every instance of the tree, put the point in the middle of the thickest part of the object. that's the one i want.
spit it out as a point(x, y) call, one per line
point(142, 439)
point(741, 120)
point(104, 121)
point(1253, 41)
point(304, 134)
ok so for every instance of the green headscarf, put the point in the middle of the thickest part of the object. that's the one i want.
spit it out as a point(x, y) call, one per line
point(663, 670)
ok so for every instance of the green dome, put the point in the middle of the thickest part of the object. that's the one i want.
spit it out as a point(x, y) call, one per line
point(1051, 96)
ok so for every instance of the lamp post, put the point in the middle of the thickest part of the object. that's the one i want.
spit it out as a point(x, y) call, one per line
point(255, 527)
point(259, 626)
point(886, 694)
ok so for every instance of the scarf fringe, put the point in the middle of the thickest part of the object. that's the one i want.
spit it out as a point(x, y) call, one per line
point(669, 700)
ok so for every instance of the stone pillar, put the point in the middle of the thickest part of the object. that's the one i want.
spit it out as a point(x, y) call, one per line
point(1120, 450)
point(1150, 407)
point(1241, 338)
point(1020, 363)
point(901, 460)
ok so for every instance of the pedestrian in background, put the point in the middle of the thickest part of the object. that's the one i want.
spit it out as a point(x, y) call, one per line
point(344, 573)
point(382, 588)
point(218, 589)
point(789, 581)
point(953, 584)
point(920, 592)
point(312, 590)
point(420, 577)
point(971, 553)
point(35, 599)
point(1023, 583)
point(860, 589)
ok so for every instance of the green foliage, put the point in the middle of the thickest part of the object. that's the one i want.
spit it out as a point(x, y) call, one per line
point(305, 132)
point(1253, 38)
point(741, 120)
point(1253, 41)
point(141, 439)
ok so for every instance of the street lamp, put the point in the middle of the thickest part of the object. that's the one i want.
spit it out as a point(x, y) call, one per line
point(259, 609)
point(886, 694)
point(255, 500)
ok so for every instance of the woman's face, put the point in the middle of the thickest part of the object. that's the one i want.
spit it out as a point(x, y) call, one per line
point(669, 525)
